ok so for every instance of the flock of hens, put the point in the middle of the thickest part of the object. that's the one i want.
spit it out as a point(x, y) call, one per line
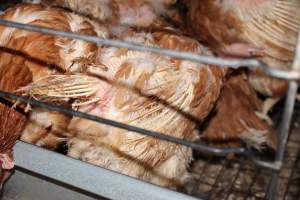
point(143, 89)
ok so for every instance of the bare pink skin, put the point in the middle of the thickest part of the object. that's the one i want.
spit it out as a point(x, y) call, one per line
point(243, 50)
point(104, 95)
point(7, 162)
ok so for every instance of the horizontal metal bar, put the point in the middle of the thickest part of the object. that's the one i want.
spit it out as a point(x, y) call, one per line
point(272, 166)
point(87, 177)
point(221, 62)
point(71, 112)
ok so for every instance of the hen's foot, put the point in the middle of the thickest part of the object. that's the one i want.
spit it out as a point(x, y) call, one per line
point(268, 104)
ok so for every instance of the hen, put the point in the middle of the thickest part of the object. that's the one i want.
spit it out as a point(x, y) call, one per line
point(142, 89)
point(267, 29)
point(45, 55)
point(234, 118)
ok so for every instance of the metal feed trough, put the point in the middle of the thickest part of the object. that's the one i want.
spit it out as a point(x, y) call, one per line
point(43, 174)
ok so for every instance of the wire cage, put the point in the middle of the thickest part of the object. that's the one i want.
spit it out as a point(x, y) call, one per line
point(249, 178)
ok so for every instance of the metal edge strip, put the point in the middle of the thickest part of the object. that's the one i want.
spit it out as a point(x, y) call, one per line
point(87, 177)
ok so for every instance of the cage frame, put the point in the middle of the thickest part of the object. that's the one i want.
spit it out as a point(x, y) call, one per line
point(26, 161)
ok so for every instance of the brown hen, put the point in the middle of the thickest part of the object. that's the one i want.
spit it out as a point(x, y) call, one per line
point(234, 118)
point(267, 29)
point(45, 55)
point(146, 90)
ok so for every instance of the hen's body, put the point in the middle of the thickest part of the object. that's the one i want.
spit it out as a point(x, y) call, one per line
point(246, 28)
point(44, 55)
point(152, 92)
point(149, 91)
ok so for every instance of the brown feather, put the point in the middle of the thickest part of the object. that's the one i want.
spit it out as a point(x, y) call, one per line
point(11, 126)
point(271, 26)
point(134, 13)
point(234, 117)
point(142, 89)
point(44, 55)
point(12, 76)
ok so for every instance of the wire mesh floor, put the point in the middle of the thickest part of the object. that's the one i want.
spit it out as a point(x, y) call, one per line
point(222, 179)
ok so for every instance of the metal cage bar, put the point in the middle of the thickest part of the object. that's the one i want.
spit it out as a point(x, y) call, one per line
point(286, 122)
point(234, 63)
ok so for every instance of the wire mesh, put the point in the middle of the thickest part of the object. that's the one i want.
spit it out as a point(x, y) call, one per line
point(249, 178)
point(232, 179)
point(225, 179)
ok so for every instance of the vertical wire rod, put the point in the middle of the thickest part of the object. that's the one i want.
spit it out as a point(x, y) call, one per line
point(285, 125)
point(283, 136)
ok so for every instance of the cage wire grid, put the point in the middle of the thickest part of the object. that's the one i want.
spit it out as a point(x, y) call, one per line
point(211, 184)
